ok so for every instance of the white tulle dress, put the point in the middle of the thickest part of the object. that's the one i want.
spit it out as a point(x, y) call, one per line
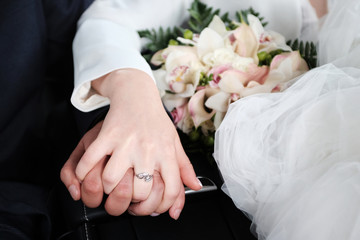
point(291, 160)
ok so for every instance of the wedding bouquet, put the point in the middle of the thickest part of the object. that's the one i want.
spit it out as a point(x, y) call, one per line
point(218, 61)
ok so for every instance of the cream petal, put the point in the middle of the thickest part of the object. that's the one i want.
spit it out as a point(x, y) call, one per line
point(209, 40)
point(232, 81)
point(241, 63)
point(256, 26)
point(279, 41)
point(160, 78)
point(182, 55)
point(189, 84)
point(246, 42)
point(286, 67)
point(265, 88)
point(188, 91)
point(172, 101)
point(186, 124)
point(157, 59)
point(289, 64)
point(299, 63)
point(218, 26)
point(177, 87)
point(197, 108)
point(276, 76)
point(219, 101)
point(186, 41)
point(219, 116)
point(253, 84)
point(257, 73)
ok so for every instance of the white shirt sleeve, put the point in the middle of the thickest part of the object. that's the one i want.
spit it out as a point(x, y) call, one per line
point(107, 40)
point(107, 37)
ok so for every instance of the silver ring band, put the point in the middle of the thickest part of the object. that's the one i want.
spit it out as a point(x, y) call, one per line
point(146, 176)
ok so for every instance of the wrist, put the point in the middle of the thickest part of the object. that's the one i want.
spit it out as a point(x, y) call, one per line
point(117, 81)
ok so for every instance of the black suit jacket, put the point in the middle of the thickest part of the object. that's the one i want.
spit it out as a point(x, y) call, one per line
point(38, 128)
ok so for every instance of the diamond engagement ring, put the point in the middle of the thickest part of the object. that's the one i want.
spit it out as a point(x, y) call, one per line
point(146, 176)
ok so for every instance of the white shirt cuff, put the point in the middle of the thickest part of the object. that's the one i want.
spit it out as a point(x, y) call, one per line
point(101, 47)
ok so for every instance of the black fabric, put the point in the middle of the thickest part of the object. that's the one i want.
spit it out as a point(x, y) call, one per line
point(85, 121)
point(24, 211)
point(37, 125)
point(36, 79)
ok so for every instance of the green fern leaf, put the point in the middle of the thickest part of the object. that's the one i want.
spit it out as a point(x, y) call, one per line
point(200, 16)
point(242, 16)
point(158, 39)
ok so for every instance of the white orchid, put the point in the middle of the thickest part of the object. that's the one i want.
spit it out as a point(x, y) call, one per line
point(182, 118)
point(180, 74)
point(219, 66)
point(196, 105)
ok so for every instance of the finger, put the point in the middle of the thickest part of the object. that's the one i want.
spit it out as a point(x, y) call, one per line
point(150, 205)
point(67, 174)
point(94, 153)
point(114, 171)
point(171, 177)
point(178, 205)
point(143, 180)
point(187, 172)
point(120, 198)
point(92, 188)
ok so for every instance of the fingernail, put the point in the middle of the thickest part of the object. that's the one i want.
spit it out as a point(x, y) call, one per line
point(154, 214)
point(177, 214)
point(131, 213)
point(73, 192)
point(200, 183)
point(106, 190)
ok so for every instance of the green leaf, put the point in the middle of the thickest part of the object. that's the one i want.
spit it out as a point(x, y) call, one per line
point(200, 16)
point(243, 14)
point(159, 39)
point(204, 80)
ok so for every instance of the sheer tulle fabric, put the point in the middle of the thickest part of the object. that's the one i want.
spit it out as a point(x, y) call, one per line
point(291, 160)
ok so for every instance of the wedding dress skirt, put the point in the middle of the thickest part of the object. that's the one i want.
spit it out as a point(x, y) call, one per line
point(291, 160)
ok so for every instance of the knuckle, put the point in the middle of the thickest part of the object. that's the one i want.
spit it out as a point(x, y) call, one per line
point(171, 195)
point(169, 151)
point(65, 173)
point(79, 171)
point(158, 187)
point(163, 208)
point(114, 211)
point(91, 203)
point(141, 211)
point(123, 191)
point(109, 179)
point(92, 186)
point(140, 196)
point(145, 143)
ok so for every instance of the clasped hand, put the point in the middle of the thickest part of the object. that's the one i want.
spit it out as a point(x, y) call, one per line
point(136, 136)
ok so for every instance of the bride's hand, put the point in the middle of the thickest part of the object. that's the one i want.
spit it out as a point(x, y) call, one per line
point(91, 189)
point(137, 133)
